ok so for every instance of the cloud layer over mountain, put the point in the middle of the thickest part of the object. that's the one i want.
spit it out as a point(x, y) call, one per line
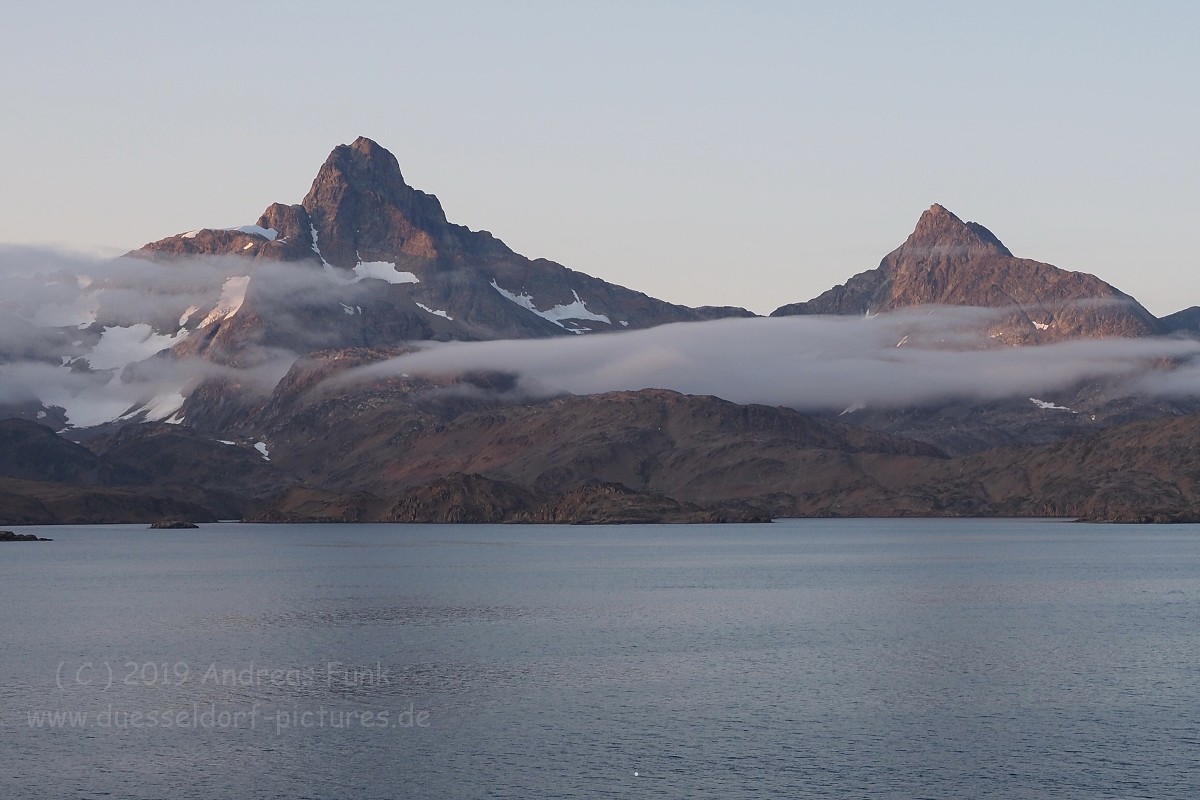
point(88, 335)
point(816, 363)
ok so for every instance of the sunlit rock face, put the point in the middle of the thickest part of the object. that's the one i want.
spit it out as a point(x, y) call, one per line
point(390, 268)
point(946, 261)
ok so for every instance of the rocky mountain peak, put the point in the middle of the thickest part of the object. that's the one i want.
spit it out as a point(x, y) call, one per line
point(946, 261)
point(363, 209)
point(369, 148)
point(940, 232)
point(365, 165)
point(398, 272)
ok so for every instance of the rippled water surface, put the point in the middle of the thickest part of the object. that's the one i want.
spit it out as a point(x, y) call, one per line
point(804, 659)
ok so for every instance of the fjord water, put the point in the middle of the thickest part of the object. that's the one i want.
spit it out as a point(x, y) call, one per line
point(804, 659)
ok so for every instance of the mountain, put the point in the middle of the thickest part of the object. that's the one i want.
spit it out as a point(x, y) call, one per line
point(266, 349)
point(406, 450)
point(1138, 472)
point(396, 454)
point(388, 434)
point(1185, 321)
point(950, 262)
point(32, 452)
point(393, 269)
point(962, 426)
point(47, 479)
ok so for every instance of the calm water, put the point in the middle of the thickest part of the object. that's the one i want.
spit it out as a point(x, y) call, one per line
point(805, 659)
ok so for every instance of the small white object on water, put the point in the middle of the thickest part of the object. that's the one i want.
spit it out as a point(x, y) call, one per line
point(635, 774)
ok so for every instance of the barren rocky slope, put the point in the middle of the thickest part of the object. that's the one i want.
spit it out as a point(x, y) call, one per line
point(951, 262)
point(388, 267)
point(285, 426)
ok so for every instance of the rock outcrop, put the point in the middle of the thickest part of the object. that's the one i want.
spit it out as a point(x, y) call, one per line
point(10, 536)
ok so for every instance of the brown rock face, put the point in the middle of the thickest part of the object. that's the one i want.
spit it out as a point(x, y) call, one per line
point(950, 262)
point(463, 498)
point(463, 284)
point(404, 436)
point(1141, 472)
point(365, 211)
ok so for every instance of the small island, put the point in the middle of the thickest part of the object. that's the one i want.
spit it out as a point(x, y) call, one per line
point(9, 536)
point(173, 525)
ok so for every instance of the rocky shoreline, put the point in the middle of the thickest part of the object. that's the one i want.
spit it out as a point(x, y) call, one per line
point(10, 536)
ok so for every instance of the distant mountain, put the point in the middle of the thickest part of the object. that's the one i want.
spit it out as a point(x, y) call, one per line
point(951, 262)
point(396, 270)
point(1185, 321)
point(32, 452)
point(177, 472)
point(1138, 472)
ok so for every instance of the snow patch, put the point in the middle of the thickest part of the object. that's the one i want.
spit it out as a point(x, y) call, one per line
point(248, 245)
point(165, 408)
point(330, 272)
point(182, 319)
point(349, 309)
point(383, 271)
point(226, 441)
point(1041, 326)
point(1050, 406)
point(255, 230)
point(436, 313)
point(855, 407)
point(378, 270)
point(624, 323)
point(233, 294)
point(120, 346)
point(261, 447)
point(902, 341)
point(312, 229)
point(190, 234)
point(575, 310)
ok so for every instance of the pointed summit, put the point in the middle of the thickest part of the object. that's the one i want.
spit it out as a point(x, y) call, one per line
point(940, 228)
point(363, 210)
point(946, 261)
point(395, 271)
point(365, 163)
point(368, 147)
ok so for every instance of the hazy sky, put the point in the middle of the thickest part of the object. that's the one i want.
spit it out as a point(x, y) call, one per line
point(705, 153)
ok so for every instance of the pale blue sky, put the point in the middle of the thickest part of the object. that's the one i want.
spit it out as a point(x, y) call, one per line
point(706, 153)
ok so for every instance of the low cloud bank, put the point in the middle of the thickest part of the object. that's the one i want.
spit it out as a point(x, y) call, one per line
point(87, 334)
point(815, 363)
